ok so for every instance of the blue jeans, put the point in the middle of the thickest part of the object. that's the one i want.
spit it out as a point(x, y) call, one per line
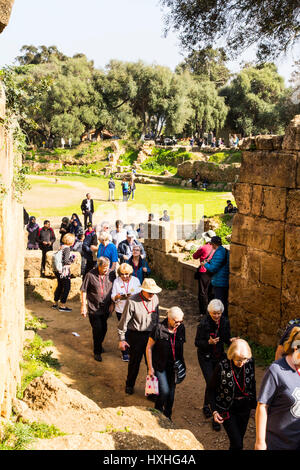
point(165, 399)
point(132, 192)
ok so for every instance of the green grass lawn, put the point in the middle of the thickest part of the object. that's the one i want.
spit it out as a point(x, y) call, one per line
point(179, 202)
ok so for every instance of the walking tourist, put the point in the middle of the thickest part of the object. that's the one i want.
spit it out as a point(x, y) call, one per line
point(64, 228)
point(139, 317)
point(125, 247)
point(89, 248)
point(164, 347)
point(33, 230)
point(232, 392)
point(87, 209)
point(212, 333)
point(125, 189)
point(218, 266)
point(96, 301)
point(204, 253)
point(111, 189)
point(119, 234)
point(278, 409)
point(63, 275)
point(280, 349)
point(139, 265)
point(132, 188)
point(45, 239)
point(108, 249)
point(124, 287)
point(165, 217)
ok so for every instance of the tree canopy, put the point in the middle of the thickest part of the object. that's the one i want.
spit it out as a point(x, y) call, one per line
point(272, 25)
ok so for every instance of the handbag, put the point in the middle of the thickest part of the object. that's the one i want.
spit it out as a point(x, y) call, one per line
point(180, 371)
point(151, 386)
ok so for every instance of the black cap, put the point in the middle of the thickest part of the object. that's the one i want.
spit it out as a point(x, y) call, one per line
point(216, 240)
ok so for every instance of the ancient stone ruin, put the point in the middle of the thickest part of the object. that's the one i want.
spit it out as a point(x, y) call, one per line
point(265, 250)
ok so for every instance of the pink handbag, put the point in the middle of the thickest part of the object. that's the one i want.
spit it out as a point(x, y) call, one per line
point(151, 387)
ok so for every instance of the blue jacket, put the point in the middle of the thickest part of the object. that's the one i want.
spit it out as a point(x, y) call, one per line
point(220, 271)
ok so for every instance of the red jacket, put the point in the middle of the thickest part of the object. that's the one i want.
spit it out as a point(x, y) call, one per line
point(202, 253)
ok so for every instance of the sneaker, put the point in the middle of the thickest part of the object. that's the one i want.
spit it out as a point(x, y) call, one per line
point(206, 411)
point(152, 397)
point(129, 390)
point(216, 426)
point(64, 309)
point(55, 307)
point(98, 357)
point(125, 358)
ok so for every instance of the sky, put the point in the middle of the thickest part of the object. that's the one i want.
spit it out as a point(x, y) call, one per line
point(127, 30)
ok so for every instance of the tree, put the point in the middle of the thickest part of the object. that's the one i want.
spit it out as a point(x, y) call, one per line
point(40, 55)
point(208, 64)
point(255, 98)
point(273, 26)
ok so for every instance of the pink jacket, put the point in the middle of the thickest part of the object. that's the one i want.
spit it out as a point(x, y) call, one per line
point(202, 253)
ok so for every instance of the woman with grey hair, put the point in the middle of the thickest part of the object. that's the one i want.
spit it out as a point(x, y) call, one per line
point(107, 249)
point(232, 392)
point(212, 333)
point(165, 346)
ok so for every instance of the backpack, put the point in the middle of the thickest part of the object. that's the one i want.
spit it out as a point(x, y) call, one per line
point(57, 261)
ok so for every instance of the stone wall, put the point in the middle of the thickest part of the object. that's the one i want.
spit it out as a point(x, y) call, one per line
point(5, 12)
point(11, 272)
point(209, 170)
point(265, 250)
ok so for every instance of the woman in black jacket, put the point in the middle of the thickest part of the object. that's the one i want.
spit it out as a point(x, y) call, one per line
point(212, 333)
point(232, 392)
point(165, 345)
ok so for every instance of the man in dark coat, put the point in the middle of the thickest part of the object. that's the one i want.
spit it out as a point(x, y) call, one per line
point(87, 208)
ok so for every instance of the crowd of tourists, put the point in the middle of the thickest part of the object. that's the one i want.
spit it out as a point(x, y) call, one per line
point(116, 280)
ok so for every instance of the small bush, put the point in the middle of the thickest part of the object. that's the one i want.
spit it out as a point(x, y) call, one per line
point(19, 436)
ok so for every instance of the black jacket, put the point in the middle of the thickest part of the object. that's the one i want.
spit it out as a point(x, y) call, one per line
point(205, 329)
point(84, 207)
point(162, 356)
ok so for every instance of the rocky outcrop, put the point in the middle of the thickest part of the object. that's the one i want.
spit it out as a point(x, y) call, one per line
point(209, 170)
point(87, 426)
point(5, 12)
point(265, 255)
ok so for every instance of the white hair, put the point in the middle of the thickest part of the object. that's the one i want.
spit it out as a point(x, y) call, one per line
point(103, 236)
point(215, 305)
point(175, 313)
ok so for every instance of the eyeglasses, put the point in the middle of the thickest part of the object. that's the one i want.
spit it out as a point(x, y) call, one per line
point(241, 361)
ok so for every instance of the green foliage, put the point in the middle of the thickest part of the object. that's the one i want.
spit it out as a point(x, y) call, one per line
point(164, 159)
point(255, 99)
point(226, 156)
point(19, 436)
point(111, 429)
point(36, 360)
point(224, 229)
point(34, 323)
point(263, 355)
point(164, 283)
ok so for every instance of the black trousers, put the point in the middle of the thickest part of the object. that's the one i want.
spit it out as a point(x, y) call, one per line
point(221, 293)
point(63, 288)
point(204, 292)
point(207, 367)
point(45, 249)
point(237, 423)
point(88, 265)
point(138, 341)
point(99, 328)
point(87, 215)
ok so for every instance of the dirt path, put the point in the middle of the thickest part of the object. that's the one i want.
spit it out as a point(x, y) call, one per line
point(104, 382)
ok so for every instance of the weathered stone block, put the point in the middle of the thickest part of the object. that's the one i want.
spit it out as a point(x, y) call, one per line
point(5, 12)
point(290, 291)
point(264, 300)
point(259, 233)
point(237, 253)
point(264, 142)
point(32, 263)
point(257, 200)
point(273, 168)
point(293, 207)
point(291, 139)
point(75, 268)
point(45, 288)
point(270, 269)
point(243, 195)
point(274, 206)
point(292, 242)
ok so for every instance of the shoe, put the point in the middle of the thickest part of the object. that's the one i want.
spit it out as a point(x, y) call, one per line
point(216, 426)
point(129, 390)
point(98, 357)
point(152, 397)
point(54, 307)
point(206, 411)
point(64, 309)
point(125, 358)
